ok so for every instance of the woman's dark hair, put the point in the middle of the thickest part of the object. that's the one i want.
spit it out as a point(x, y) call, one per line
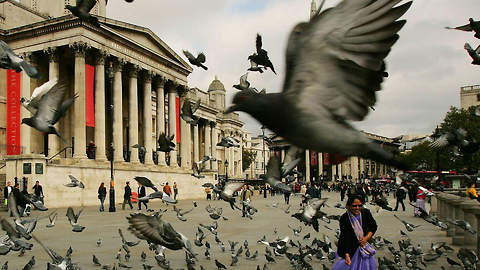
point(470, 184)
point(352, 198)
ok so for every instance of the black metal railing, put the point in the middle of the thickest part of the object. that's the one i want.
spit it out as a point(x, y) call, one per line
point(3, 166)
point(64, 150)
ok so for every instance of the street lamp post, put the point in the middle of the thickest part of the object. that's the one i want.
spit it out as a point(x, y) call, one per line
point(111, 76)
point(226, 171)
point(263, 154)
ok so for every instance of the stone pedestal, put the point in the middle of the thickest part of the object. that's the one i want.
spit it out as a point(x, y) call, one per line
point(468, 207)
point(458, 237)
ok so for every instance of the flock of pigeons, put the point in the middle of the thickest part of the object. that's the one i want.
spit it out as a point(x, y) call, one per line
point(472, 26)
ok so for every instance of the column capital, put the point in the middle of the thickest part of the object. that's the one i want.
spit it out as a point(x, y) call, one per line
point(148, 76)
point(80, 48)
point(161, 80)
point(100, 57)
point(173, 87)
point(183, 90)
point(27, 56)
point(134, 70)
point(52, 54)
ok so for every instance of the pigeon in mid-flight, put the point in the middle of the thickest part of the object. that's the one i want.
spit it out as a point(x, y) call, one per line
point(165, 143)
point(74, 182)
point(274, 175)
point(188, 112)
point(144, 181)
point(9, 60)
point(32, 104)
point(51, 108)
point(158, 231)
point(261, 56)
point(197, 61)
point(472, 26)
point(196, 172)
point(228, 142)
point(244, 84)
point(82, 10)
point(73, 219)
point(473, 53)
point(334, 68)
point(308, 215)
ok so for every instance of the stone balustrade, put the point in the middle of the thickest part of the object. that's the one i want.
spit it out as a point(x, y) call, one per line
point(450, 205)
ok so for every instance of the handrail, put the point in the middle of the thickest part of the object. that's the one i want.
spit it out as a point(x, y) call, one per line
point(3, 166)
point(63, 150)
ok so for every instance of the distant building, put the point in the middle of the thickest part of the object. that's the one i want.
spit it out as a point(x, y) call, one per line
point(262, 155)
point(469, 96)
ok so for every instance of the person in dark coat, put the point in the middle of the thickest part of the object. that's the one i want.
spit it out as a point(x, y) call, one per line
point(16, 196)
point(102, 194)
point(142, 193)
point(343, 190)
point(312, 191)
point(22, 202)
point(127, 196)
point(401, 194)
point(38, 191)
point(357, 226)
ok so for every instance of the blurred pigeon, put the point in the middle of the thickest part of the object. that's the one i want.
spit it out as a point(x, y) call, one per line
point(73, 219)
point(474, 53)
point(296, 231)
point(261, 56)
point(158, 195)
point(196, 172)
point(82, 10)
point(232, 245)
point(472, 26)
point(337, 80)
point(74, 182)
point(228, 142)
point(99, 242)
point(125, 242)
point(180, 214)
point(274, 176)
point(255, 67)
point(459, 138)
point(308, 215)
point(215, 213)
point(197, 61)
point(32, 104)
point(51, 108)
point(188, 112)
point(35, 201)
point(127, 257)
point(211, 228)
point(144, 181)
point(69, 252)
point(244, 84)
point(141, 149)
point(165, 143)
point(462, 224)
point(227, 193)
point(158, 231)
point(9, 60)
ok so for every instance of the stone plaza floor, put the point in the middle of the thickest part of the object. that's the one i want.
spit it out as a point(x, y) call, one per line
point(105, 225)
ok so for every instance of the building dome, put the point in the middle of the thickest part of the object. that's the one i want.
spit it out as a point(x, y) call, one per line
point(216, 85)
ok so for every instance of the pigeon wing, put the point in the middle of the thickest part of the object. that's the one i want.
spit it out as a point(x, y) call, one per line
point(232, 187)
point(188, 55)
point(258, 43)
point(201, 57)
point(196, 106)
point(187, 108)
point(78, 214)
point(243, 81)
point(63, 108)
point(196, 172)
point(71, 216)
point(144, 181)
point(40, 91)
point(155, 230)
point(466, 27)
point(442, 141)
point(51, 102)
point(86, 5)
point(349, 43)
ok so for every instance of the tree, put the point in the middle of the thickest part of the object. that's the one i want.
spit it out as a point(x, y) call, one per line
point(425, 155)
point(248, 157)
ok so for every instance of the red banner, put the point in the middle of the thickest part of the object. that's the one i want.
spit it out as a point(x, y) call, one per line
point(89, 96)
point(326, 158)
point(313, 158)
point(13, 113)
point(177, 110)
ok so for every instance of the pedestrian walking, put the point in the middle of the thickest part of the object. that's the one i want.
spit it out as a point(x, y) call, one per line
point(6, 192)
point(38, 191)
point(286, 195)
point(357, 226)
point(208, 191)
point(343, 190)
point(102, 194)
point(142, 193)
point(167, 189)
point(401, 194)
point(245, 195)
point(175, 190)
point(127, 196)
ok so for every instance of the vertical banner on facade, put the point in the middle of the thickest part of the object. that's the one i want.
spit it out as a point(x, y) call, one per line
point(313, 158)
point(13, 113)
point(89, 96)
point(326, 159)
point(177, 110)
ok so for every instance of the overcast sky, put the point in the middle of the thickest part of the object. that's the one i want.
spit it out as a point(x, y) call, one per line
point(427, 66)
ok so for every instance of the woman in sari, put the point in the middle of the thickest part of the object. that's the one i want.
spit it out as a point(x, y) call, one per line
point(357, 226)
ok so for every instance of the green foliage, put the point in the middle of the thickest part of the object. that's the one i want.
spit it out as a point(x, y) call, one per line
point(247, 158)
point(423, 154)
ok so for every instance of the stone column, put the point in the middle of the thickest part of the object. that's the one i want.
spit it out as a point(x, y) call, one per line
point(196, 149)
point(25, 92)
point(147, 116)
point(133, 113)
point(185, 144)
point(208, 144)
point(172, 121)
point(117, 112)
point(307, 165)
point(80, 130)
point(100, 137)
point(160, 116)
point(214, 146)
point(54, 141)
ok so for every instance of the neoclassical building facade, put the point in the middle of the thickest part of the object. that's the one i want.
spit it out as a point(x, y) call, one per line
point(130, 86)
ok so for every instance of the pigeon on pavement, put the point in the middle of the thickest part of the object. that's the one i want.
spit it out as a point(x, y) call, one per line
point(334, 68)
point(9, 60)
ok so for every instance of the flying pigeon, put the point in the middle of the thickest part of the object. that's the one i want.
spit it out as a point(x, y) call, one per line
point(158, 195)
point(32, 104)
point(472, 26)
point(261, 56)
point(158, 231)
point(308, 215)
point(74, 182)
point(180, 214)
point(82, 10)
point(474, 53)
point(165, 144)
point(227, 142)
point(127, 243)
point(51, 108)
point(255, 67)
point(73, 219)
point(340, 52)
point(244, 84)
point(462, 224)
point(52, 220)
point(188, 112)
point(197, 61)
point(9, 60)
point(274, 175)
point(196, 171)
point(215, 213)
point(144, 181)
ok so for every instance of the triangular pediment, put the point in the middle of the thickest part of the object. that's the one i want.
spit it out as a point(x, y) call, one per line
point(146, 38)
